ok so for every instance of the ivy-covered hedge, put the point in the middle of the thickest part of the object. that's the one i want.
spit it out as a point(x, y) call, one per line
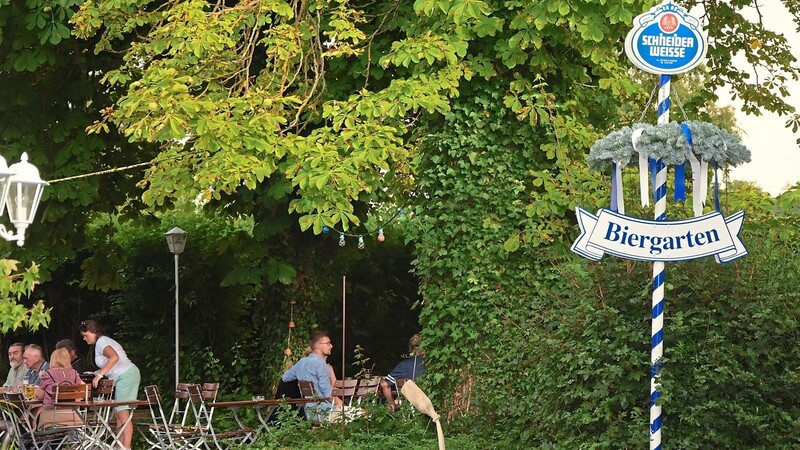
point(569, 364)
point(548, 350)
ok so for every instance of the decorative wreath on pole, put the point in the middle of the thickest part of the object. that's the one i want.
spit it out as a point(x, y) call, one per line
point(698, 143)
point(669, 143)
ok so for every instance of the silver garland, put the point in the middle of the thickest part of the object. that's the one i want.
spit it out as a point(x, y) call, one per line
point(667, 142)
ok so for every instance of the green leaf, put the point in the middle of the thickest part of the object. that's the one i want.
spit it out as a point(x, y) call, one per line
point(512, 243)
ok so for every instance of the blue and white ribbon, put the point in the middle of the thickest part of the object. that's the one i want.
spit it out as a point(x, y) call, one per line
point(699, 176)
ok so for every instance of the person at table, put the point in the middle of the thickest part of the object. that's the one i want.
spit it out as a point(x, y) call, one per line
point(314, 368)
point(330, 367)
point(410, 367)
point(17, 369)
point(16, 373)
point(59, 373)
point(34, 360)
point(113, 363)
point(78, 363)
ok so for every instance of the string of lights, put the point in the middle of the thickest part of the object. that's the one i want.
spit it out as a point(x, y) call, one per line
point(399, 214)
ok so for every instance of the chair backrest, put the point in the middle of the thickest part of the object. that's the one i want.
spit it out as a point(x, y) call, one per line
point(313, 412)
point(307, 389)
point(105, 388)
point(72, 393)
point(345, 389)
point(210, 391)
point(367, 387)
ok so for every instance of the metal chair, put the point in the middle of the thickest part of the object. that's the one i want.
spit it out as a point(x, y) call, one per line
point(21, 422)
point(317, 407)
point(62, 417)
point(182, 408)
point(160, 434)
point(98, 420)
point(200, 397)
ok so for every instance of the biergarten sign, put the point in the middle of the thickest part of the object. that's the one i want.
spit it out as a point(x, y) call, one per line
point(646, 240)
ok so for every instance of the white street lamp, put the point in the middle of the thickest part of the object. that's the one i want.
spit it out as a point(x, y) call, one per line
point(21, 189)
point(176, 240)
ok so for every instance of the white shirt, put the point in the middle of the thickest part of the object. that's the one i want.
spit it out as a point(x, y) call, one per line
point(101, 360)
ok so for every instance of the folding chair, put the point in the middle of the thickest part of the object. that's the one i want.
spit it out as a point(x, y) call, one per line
point(21, 422)
point(322, 408)
point(200, 397)
point(182, 408)
point(160, 433)
point(98, 420)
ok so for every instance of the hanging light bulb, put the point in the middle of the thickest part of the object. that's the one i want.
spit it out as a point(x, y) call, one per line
point(341, 240)
point(381, 237)
point(361, 243)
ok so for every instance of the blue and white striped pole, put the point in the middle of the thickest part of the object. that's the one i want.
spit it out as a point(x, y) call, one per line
point(657, 331)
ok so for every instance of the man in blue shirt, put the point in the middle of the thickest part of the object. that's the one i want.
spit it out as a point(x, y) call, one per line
point(34, 360)
point(314, 368)
point(409, 368)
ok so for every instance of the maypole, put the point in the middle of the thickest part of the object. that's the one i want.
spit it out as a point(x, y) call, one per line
point(664, 41)
point(659, 275)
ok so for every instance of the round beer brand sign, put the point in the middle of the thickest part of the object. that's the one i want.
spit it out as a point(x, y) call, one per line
point(666, 40)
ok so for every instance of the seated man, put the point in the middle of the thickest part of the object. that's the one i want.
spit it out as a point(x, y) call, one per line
point(409, 368)
point(314, 368)
point(77, 362)
point(35, 362)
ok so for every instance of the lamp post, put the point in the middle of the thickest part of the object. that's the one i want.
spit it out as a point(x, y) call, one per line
point(176, 240)
point(21, 189)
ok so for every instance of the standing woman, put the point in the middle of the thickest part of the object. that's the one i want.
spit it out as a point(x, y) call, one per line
point(114, 363)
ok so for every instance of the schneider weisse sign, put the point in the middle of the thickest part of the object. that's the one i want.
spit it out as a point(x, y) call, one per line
point(650, 240)
point(665, 40)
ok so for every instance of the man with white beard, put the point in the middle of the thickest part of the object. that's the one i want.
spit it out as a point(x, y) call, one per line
point(17, 371)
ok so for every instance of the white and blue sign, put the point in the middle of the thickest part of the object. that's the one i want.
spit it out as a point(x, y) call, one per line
point(651, 240)
point(666, 40)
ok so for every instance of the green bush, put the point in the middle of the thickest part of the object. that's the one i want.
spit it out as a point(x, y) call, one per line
point(378, 431)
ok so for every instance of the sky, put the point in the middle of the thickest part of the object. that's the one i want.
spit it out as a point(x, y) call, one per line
point(775, 164)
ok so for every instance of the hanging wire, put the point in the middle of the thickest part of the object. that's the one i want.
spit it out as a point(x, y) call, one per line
point(102, 172)
point(120, 169)
point(680, 105)
point(649, 102)
point(326, 229)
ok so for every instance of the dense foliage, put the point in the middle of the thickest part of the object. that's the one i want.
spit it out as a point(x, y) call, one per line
point(282, 117)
